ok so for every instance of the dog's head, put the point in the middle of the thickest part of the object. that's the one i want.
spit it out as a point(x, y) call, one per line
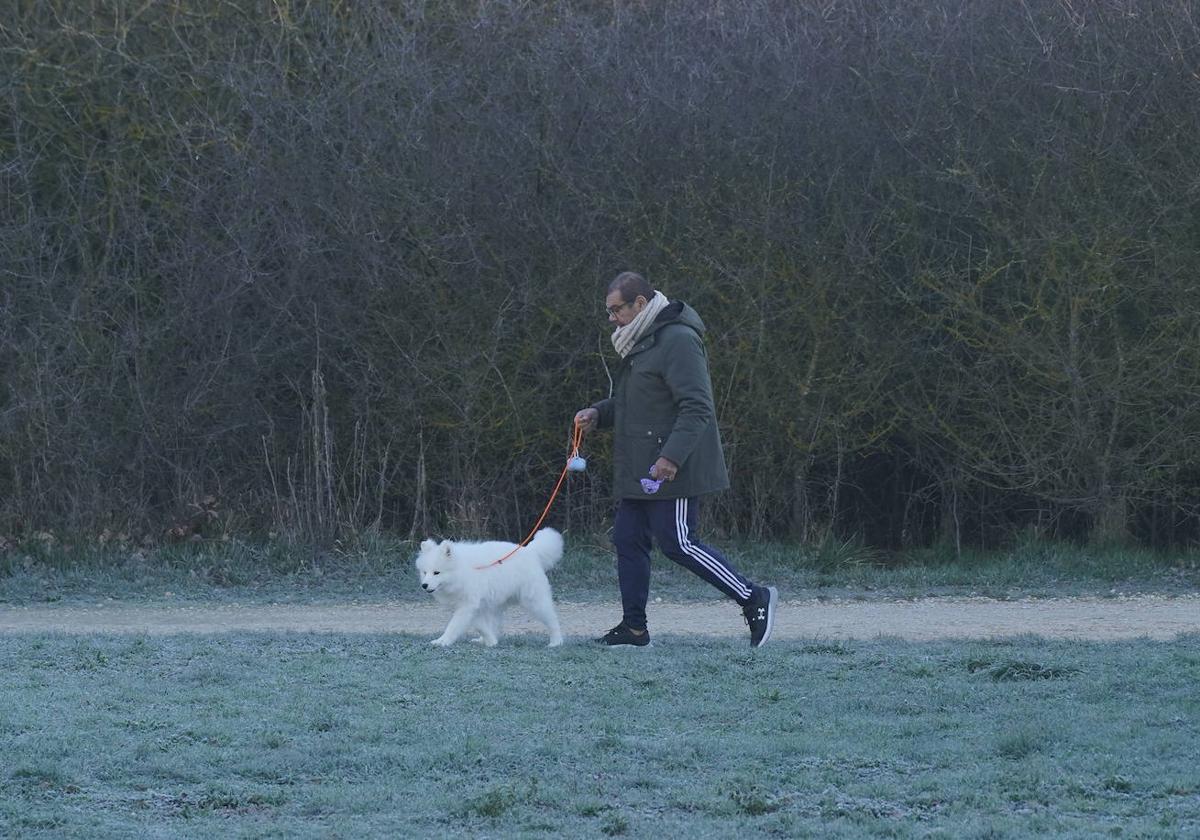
point(435, 563)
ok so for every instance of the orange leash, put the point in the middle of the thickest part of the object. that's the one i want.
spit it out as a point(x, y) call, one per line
point(576, 439)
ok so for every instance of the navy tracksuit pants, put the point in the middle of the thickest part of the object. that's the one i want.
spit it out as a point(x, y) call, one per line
point(669, 523)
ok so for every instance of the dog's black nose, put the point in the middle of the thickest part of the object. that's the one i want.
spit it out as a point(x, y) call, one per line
point(424, 585)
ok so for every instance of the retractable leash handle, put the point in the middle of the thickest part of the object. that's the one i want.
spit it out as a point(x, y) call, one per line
point(576, 439)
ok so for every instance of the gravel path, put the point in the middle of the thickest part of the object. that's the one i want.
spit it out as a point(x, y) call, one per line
point(1148, 616)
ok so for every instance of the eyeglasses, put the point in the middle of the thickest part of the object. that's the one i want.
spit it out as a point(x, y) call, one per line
point(613, 310)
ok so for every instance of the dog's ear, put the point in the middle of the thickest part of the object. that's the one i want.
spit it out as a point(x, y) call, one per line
point(428, 545)
point(444, 549)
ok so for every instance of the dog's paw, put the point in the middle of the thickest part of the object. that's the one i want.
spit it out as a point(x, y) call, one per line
point(441, 641)
point(557, 642)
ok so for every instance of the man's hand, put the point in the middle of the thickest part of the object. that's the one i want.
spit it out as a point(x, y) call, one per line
point(664, 470)
point(587, 418)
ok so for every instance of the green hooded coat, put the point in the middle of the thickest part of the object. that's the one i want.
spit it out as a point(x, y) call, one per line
point(662, 405)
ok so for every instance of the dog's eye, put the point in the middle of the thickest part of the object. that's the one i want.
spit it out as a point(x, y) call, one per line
point(437, 573)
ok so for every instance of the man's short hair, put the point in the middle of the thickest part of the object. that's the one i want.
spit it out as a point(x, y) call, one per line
point(631, 284)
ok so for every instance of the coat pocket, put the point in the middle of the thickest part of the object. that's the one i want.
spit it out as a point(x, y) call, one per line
point(642, 443)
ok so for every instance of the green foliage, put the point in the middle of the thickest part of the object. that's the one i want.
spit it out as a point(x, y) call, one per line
point(339, 266)
point(376, 567)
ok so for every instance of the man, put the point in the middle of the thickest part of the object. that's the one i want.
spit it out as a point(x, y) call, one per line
point(667, 453)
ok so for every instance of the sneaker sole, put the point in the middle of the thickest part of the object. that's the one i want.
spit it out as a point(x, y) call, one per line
point(774, 598)
point(649, 642)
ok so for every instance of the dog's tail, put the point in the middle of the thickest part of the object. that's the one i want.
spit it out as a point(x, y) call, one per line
point(547, 544)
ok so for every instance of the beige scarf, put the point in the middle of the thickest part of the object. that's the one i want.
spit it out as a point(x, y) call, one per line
point(623, 338)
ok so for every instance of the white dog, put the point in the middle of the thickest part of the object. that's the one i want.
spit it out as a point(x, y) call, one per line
point(463, 575)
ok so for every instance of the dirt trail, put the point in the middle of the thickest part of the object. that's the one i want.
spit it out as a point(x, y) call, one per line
point(1150, 616)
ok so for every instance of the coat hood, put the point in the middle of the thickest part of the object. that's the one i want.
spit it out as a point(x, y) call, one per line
point(678, 312)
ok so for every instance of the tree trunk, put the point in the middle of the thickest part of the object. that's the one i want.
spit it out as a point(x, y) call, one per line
point(1110, 523)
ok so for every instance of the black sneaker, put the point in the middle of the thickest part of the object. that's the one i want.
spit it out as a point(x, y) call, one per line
point(760, 614)
point(623, 635)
